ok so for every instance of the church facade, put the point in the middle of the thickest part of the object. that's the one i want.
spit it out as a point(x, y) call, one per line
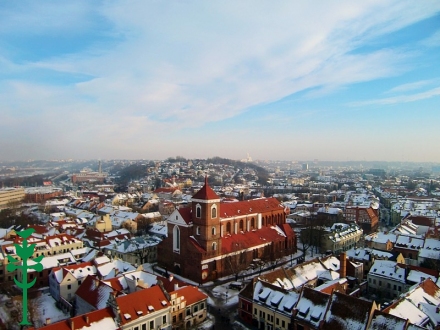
point(212, 239)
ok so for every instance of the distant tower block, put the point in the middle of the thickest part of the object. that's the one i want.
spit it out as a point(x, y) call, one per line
point(305, 166)
point(99, 167)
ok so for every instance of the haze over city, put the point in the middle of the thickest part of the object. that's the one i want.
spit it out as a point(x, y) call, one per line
point(336, 80)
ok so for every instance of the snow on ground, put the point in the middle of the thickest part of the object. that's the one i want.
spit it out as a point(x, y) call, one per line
point(224, 296)
point(44, 308)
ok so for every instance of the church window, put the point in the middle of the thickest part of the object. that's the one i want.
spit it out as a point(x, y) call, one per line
point(241, 225)
point(198, 211)
point(228, 228)
point(214, 246)
point(214, 211)
point(252, 223)
point(198, 231)
point(176, 238)
point(213, 231)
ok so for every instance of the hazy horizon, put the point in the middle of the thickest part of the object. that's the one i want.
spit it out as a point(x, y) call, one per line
point(340, 81)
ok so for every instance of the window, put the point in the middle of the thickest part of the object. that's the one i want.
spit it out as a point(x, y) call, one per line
point(213, 231)
point(176, 238)
point(198, 211)
point(196, 308)
point(174, 319)
point(198, 231)
point(388, 285)
point(136, 328)
point(188, 312)
point(164, 319)
point(283, 323)
point(255, 311)
point(214, 211)
point(144, 326)
point(394, 287)
point(214, 246)
point(151, 325)
point(202, 305)
point(69, 287)
point(228, 228)
point(380, 283)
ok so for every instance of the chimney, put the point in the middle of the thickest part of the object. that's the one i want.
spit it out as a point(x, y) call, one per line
point(72, 325)
point(48, 321)
point(171, 277)
point(176, 286)
point(343, 265)
point(86, 319)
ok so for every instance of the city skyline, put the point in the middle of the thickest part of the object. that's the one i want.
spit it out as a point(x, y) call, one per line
point(342, 81)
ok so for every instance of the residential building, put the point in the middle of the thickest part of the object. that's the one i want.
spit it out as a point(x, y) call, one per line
point(10, 196)
point(142, 310)
point(340, 237)
point(366, 217)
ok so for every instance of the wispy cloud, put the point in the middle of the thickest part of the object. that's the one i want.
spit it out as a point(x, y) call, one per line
point(400, 99)
point(432, 41)
point(185, 64)
point(413, 86)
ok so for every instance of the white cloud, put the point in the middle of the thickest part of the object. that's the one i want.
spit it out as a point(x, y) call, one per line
point(401, 98)
point(412, 86)
point(184, 64)
point(432, 41)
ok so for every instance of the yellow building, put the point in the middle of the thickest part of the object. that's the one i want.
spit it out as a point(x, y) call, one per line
point(11, 195)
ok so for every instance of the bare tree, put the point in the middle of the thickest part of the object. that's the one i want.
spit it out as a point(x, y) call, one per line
point(142, 251)
point(236, 262)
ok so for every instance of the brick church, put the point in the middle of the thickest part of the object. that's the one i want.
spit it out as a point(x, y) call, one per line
point(212, 239)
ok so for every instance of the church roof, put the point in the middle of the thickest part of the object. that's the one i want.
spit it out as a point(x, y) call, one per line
point(252, 206)
point(206, 192)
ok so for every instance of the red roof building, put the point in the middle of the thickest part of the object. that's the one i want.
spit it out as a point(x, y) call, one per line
point(211, 239)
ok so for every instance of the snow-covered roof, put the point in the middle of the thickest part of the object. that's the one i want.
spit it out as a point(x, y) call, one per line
point(388, 269)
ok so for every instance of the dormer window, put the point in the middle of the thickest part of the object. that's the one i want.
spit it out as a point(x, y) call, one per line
point(198, 211)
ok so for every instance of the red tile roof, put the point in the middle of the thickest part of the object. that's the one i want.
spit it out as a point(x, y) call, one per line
point(136, 304)
point(95, 292)
point(206, 192)
point(81, 322)
point(260, 205)
point(236, 242)
point(186, 214)
point(191, 293)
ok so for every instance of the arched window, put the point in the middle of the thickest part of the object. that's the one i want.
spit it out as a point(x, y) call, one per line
point(214, 246)
point(198, 231)
point(213, 231)
point(198, 211)
point(214, 211)
point(241, 225)
point(228, 228)
point(176, 238)
point(252, 223)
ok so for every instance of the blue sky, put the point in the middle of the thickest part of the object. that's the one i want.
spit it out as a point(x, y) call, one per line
point(329, 80)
